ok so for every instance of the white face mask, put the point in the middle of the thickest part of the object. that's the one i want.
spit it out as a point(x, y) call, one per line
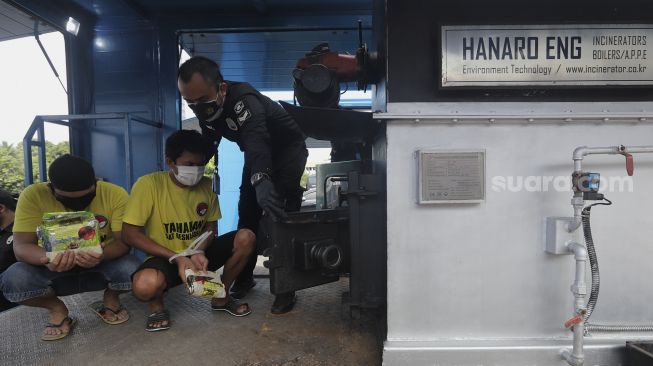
point(189, 175)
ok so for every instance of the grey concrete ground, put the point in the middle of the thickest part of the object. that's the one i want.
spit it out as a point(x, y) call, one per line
point(317, 332)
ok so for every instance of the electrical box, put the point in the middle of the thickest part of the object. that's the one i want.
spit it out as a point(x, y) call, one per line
point(557, 236)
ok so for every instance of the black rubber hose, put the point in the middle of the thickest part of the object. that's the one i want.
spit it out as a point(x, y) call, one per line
point(594, 263)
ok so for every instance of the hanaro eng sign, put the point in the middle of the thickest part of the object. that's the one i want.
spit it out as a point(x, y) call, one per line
point(546, 55)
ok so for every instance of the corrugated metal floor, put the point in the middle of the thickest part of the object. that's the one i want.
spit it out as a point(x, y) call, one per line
point(317, 332)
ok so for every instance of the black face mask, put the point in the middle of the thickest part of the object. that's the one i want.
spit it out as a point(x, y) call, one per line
point(77, 203)
point(206, 111)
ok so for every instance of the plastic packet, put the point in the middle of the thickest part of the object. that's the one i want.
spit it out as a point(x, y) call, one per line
point(204, 283)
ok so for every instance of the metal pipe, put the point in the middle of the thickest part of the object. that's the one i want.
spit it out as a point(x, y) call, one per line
point(128, 150)
point(570, 358)
point(41, 151)
point(579, 288)
point(145, 121)
point(579, 154)
point(576, 356)
point(577, 202)
point(582, 151)
point(618, 328)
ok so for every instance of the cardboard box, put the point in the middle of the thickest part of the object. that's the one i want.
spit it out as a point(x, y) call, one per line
point(61, 231)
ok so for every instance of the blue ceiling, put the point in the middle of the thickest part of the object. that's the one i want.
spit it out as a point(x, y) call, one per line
point(259, 41)
point(15, 23)
point(266, 59)
point(155, 8)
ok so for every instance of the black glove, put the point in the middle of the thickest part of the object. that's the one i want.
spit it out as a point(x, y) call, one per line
point(269, 200)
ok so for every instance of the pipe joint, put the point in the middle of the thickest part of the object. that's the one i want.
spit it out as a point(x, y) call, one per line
point(578, 203)
point(580, 152)
point(579, 250)
point(579, 290)
point(571, 358)
point(574, 224)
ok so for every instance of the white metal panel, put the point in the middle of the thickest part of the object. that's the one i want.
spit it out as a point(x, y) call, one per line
point(480, 271)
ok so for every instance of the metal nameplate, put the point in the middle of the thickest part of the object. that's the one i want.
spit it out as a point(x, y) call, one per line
point(547, 55)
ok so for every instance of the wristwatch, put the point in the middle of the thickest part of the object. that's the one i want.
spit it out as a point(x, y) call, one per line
point(258, 178)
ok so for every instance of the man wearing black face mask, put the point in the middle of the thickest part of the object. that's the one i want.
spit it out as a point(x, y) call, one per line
point(29, 281)
point(274, 147)
point(7, 257)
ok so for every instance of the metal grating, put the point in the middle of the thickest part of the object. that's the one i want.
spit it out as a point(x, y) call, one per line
point(317, 332)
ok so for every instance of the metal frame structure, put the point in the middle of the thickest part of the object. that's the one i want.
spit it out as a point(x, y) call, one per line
point(38, 126)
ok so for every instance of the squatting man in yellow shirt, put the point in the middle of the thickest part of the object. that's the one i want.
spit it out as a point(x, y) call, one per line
point(175, 208)
point(31, 280)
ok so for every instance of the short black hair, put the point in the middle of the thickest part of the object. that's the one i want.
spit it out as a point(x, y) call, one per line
point(207, 68)
point(187, 140)
point(71, 173)
point(8, 200)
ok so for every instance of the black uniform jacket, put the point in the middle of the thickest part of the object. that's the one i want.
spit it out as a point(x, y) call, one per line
point(7, 257)
point(269, 137)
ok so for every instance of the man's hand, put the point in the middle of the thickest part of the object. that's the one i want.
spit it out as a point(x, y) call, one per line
point(184, 263)
point(269, 200)
point(61, 263)
point(200, 261)
point(88, 259)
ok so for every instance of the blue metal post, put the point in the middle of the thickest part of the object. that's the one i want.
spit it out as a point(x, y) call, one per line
point(128, 151)
point(27, 161)
point(42, 163)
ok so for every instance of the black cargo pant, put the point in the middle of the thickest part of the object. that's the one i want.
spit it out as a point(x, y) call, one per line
point(286, 181)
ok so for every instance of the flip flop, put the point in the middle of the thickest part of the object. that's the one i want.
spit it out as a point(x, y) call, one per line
point(231, 307)
point(99, 309)
point(54, 337)
point(157, 317)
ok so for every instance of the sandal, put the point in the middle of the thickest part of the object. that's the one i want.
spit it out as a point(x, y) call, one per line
point(99, 309)
point(231, 307)
point(157, 317)
point(53, 337)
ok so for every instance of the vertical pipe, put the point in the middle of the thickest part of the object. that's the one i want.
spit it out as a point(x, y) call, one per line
point(160, 159)
point(42, 164)
point(577, 351)
point(27, 160)
point(577, 357)
point(128, 152)
point(577, 202)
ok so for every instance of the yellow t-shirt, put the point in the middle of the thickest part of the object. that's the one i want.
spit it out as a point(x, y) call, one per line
point(172, 216)
point(108, 206)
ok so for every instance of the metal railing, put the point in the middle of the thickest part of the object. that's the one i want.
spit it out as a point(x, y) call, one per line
point(38, 126)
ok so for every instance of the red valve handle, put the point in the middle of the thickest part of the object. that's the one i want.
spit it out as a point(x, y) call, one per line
point(630, 164)
point(573, 321)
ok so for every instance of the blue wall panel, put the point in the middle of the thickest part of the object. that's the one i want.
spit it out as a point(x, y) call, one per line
point(125, 72)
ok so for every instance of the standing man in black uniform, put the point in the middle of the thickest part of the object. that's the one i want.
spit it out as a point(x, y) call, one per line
point(7, 257)
point(274, 147)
